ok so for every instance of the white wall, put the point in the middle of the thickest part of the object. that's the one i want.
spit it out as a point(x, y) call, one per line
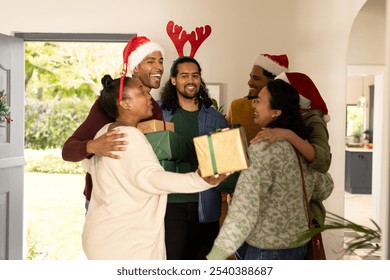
point(314, 34)
point(385, 138)
point(356, 87)
point(367, 38)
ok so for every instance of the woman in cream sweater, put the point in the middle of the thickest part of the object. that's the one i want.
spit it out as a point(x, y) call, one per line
point(125, 219)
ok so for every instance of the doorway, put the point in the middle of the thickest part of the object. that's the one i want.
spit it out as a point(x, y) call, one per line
point(54, 199)
point(365, 60)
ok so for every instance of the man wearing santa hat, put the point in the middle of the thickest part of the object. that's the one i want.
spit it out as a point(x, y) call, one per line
point(265, 67)
point(144, 60)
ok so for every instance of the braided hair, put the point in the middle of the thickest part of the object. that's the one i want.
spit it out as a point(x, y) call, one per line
point(109, 95)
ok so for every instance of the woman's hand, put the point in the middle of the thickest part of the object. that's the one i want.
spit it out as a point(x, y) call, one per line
point(107, 143)
point(214, 179)
point(271, 135)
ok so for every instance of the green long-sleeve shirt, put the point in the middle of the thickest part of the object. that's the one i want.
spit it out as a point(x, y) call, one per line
point(319, 138)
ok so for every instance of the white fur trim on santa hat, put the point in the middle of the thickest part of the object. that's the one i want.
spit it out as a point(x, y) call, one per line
point(141, 52)
point(269, 65)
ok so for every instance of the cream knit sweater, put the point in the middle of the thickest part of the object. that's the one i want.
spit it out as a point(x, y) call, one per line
point(125, 218)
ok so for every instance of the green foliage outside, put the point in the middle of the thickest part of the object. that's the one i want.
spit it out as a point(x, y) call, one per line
point(50, 122)
point(62, 81)
point(56, 70)
point(32, 251)
point(355, 118)
point(52, 163)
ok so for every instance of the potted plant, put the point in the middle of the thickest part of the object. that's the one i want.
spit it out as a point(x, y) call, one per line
point(356, 136)
point(366, 238)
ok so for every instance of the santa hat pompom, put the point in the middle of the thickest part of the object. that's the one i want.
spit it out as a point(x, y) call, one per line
point(309, 96)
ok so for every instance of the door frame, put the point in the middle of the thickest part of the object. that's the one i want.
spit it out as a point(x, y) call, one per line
point(11, 151)
point(54, 37)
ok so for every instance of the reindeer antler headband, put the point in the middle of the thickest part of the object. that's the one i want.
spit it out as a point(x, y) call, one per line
point(180, 37)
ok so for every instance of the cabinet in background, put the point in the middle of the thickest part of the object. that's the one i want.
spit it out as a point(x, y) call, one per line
point(358, 171)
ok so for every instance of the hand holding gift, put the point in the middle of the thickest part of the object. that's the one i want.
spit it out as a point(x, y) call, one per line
point(214, 179)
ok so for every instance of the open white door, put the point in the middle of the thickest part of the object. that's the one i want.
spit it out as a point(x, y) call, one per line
point(12, 149)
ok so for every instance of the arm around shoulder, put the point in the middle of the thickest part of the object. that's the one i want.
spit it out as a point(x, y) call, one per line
point(75, 147)
point(319, 138)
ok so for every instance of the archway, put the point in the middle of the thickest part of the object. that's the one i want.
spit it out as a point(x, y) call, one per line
point(366, 66)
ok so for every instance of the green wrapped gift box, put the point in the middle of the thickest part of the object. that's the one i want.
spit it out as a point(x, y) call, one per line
point(168, 145)
point(183, 167)
point(177, 167)
point(168, 165)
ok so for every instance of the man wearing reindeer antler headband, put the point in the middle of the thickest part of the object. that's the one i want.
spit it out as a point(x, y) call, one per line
point(191, 220)
point(265, 67)
point(144, 60)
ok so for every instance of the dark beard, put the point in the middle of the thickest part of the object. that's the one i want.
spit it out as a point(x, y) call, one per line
point(189, 97)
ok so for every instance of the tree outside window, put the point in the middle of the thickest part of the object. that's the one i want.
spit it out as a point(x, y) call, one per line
point(355, 121)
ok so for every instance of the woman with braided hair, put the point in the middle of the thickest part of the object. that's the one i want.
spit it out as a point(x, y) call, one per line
point(125, 218)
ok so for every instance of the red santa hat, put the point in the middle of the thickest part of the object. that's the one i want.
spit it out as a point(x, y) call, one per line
point(309, 96)
point(137, 49)
point(275, 64)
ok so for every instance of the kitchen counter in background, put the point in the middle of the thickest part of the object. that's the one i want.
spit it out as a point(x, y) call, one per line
point(358, 170)
point(361, 149)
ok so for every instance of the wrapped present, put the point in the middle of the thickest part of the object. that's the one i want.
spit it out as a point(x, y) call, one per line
point(168, 165)
point(177, 167)
point(154, 126)
point(183, 167)
point(222, 152)
point(168, 145)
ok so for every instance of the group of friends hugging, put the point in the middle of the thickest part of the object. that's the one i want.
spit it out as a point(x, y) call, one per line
point(137, 210)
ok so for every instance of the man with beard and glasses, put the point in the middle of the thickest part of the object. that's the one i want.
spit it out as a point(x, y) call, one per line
point(191, 220)
point(144, 60)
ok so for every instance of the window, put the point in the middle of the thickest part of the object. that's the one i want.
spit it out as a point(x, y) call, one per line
point(355, 120)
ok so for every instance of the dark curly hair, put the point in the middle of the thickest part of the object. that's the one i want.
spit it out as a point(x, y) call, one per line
point(285, 97)
point(109, 95)
point(169, 93)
